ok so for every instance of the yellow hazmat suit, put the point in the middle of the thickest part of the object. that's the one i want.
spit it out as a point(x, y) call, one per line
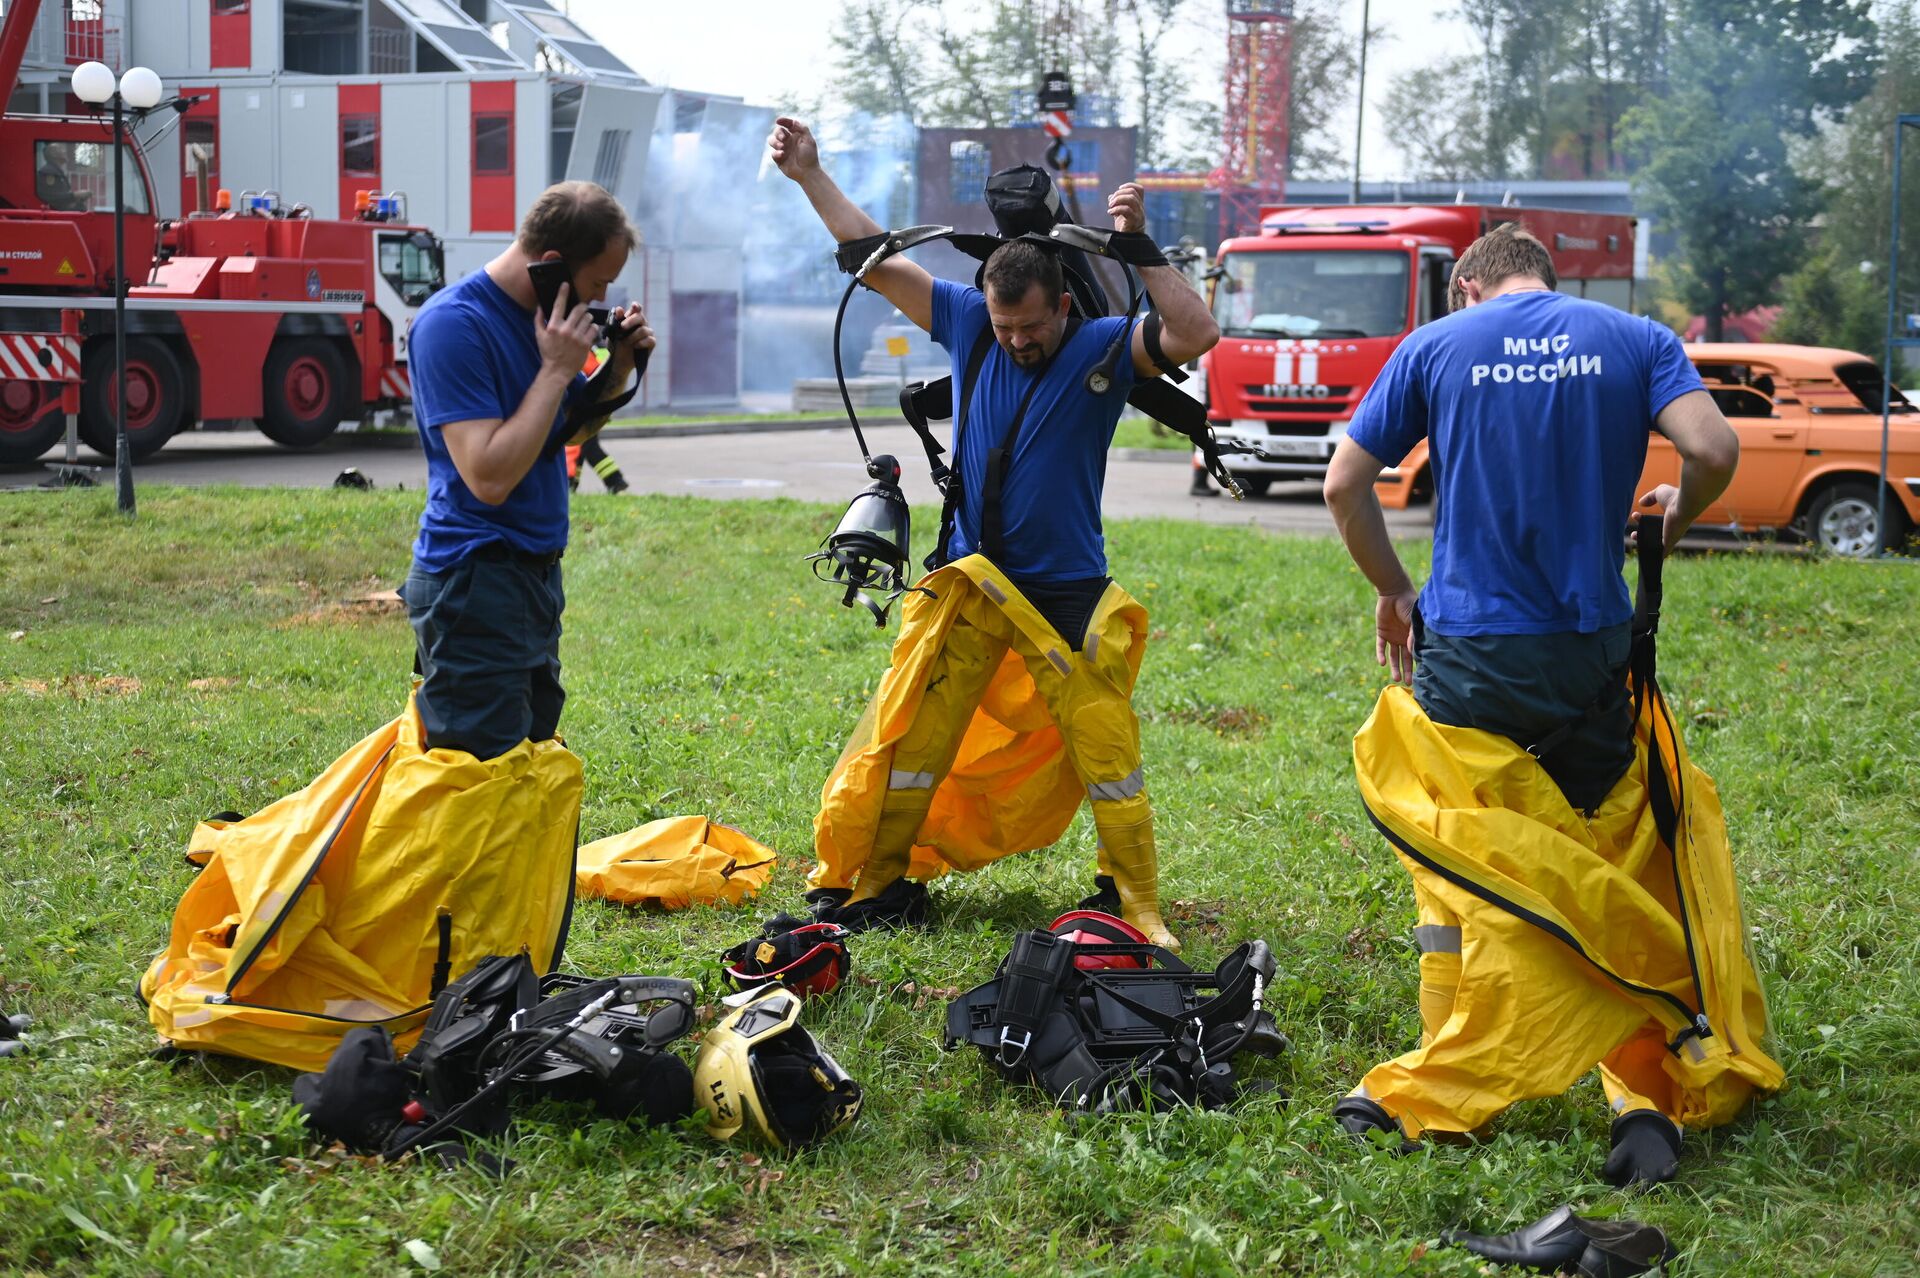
point(322, 911)
point(673, 863)
point(984, 736)
point(1550, 942)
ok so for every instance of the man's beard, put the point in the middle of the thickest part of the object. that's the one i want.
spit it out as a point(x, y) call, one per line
point(1029, 357)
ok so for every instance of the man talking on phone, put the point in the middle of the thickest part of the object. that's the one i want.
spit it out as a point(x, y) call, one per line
point(497, 394)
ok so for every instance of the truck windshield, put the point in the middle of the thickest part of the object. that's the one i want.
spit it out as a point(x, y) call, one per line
point(77, 177)
point(412, 264)
point(1313, 293)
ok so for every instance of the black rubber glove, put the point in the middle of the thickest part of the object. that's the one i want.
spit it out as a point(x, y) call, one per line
point(902, 903)
point(1646, 1149)
point(1106, 896)
point(1560, 1241)
point(1555, 1241)
point(12, 1034)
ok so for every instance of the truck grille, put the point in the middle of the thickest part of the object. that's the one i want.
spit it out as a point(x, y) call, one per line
point(1336, 397)
point(1314, 429)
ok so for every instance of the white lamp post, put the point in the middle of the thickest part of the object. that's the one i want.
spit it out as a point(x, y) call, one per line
point(139, 90)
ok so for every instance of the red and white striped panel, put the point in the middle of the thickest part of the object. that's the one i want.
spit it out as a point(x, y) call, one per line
point(1058, 124)
point(39, 357)
point(394, 384)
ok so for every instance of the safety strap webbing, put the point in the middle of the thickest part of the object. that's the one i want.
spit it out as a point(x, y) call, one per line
point(1150, 338)
point(992, 524)
point(950, 495)
point(595, 402)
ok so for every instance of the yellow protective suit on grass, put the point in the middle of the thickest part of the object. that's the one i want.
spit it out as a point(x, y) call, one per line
point(1552, 943)
point(984, 736)
point(321, 911)
point(674, 863)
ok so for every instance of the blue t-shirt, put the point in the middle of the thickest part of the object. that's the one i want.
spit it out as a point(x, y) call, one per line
point(1050, 503)
point(1536, 408)
point(472, 357)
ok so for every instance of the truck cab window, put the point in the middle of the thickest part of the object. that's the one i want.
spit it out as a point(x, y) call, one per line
point(413, 268)
point(77, 177)
point(1435, 270)
point(1321, 293)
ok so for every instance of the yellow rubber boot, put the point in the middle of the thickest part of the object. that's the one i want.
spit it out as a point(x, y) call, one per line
point(1127, 854)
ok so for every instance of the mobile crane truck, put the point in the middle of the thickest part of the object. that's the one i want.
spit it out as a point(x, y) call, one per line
point(249, 311)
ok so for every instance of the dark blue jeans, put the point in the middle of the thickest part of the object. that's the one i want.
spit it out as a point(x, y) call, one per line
point(487, 635)
point(1525, 686)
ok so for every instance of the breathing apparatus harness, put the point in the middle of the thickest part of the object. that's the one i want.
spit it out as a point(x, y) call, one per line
point(502, 1030)
point(1103, 1024)
point(868, 550)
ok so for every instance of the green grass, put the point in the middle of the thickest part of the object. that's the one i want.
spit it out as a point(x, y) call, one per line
point(1140, 432)
point(199, 659)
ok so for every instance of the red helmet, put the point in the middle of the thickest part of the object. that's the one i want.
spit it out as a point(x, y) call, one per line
point(1090, 928)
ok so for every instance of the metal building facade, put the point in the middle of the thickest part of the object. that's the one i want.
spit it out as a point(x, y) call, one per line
point(468, 107)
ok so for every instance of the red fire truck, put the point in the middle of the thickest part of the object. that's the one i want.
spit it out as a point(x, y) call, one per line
point(255, 312)
point(1310, 309)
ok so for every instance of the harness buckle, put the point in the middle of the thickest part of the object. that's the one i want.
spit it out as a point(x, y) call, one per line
point(1019, 1049)
point(1701, 1028)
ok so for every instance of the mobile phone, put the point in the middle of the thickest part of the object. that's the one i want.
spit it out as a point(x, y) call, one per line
point(547, 278)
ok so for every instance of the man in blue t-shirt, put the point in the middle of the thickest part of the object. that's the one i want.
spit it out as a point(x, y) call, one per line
point(1035, 515)
point(1535, 407)
point(493, 384)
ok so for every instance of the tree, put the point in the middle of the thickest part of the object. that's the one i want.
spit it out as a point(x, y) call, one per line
point(955, 64)
point(1839, 296)
point(1744, 76)
point(1439, 118)
point(1159, 85)
point(1543, 96)
point(880, 70)
point(1324, 62)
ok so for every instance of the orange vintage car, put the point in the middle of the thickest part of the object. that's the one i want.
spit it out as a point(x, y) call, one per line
point(1808, 418)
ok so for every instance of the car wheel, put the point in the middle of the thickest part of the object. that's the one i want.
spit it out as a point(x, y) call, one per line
point(1254, 485)
point(1845, 520)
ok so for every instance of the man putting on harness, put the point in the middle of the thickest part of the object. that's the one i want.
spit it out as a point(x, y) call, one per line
point(1530, 873)
point(1012, 678)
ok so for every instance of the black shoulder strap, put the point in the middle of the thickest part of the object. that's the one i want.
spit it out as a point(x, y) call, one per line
point(1150, 338)
point(976, 358)
point(1651, 542)
point(992, 526)
point(597, 400)
point(924, 402)
point(1173, 408)
point(951, 495)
